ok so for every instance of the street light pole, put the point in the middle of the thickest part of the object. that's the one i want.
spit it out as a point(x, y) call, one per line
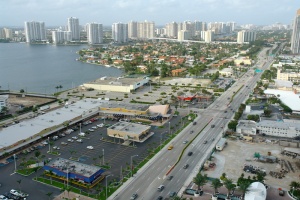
point(169, 127)
point(106, 184)
point(160, 139)
point(79, 127)
point(103, 155)
point(131, 162)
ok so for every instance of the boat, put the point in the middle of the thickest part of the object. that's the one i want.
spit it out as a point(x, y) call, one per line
point(107, 65)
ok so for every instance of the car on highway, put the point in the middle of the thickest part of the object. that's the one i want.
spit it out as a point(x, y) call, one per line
point(170, 178)
point(185, 166)
point(205, 142)
point(134, 196)
point(160, 198)
point(172, 194)
point(90, 147)
point(64, 143)
point(190, 153)
point(185, 141)
point(191, 131)
point(170, 147)
point(225, 111)
point(213, 126)
point(160, 188)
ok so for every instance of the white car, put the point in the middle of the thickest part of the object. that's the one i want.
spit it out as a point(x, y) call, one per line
point(94, 127)
point(91, 130)
point(79, 140)
point(56, 147)
point(75, 137)
point(90, 147)
point(100, 125)
point(45, 143)
point(16, 193)
point(3, 197)
point(64, 143)
point(70, 140)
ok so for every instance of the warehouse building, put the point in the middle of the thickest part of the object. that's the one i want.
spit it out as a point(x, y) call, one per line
point(120, 84)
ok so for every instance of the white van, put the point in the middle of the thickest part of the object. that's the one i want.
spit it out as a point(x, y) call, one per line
point(81, 134)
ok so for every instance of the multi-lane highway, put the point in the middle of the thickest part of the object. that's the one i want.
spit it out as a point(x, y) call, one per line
point(218, 114)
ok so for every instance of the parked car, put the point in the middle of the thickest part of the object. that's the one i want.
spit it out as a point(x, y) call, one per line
point(79, 140)
point(100, 125)
point(70, 140)
point(11, 196)
point(45, 143)
point(56, 147)
point(64, 143)
point(91, 130)
point(94, 127)
point(17, 193)
point(90, 147)
point(75, 137)
point(2, 197)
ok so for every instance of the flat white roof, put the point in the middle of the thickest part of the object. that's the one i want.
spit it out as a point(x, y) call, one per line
point(130, 127)
point(289, 98)
point(28, 128)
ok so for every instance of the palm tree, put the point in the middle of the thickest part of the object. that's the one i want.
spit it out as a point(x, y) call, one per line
point(49, 194)
point(228, 183)
point(244, 187)
point(216, 183)
point(200, 180)
point(294, 185)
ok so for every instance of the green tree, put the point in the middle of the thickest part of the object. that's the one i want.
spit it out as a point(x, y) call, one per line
point(200, 180)
point(228, 183)
point(244, 187)
point(216, 184)
point(267, 112)
point(232, 125)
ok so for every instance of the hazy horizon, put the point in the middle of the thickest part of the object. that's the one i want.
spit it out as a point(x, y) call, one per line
point(55, 13)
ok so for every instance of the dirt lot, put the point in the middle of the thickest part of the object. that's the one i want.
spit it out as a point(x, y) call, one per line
point(237, 153)
point(27, 100)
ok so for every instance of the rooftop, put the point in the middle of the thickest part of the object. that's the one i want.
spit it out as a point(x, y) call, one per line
point(70, 166)
point(257, 191)
point(130, 127)
point(247, 124)
point(289, 98)
point(117, 80)
point(279, 124)
point(28, 128)
point(139, 107)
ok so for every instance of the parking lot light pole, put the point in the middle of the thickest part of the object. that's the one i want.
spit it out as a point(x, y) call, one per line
point(131, 163)
point(49, 143)
point(169, 127)
point(15, 162)
point(160, 139)
point(106, 184)
point(79, 127)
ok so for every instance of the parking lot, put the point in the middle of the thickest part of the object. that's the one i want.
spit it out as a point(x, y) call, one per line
point(116, 155)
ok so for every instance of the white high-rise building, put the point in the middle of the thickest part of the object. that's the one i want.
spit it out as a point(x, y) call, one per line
point(60, 37)
point(2, 33)
point(74, 28)
point(145, 30)
point(132, 29)
point(94, 33)
point(295, 41)
point(120, 32)
point(35, 31)
point(207, 36)
point(183, 35)
point(8, 33)
point(172, 30)
point(246, 36)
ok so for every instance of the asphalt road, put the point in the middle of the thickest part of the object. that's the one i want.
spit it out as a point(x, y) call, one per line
point(219, 113)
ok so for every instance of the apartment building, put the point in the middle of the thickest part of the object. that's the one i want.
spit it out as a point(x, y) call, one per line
point(246, 36)
point(35, 31)
point(3, 101)
point(288, 76)
point(278, 129)
point(60, 37)
point(120, 32)
point(73, 27)
point(295, 41)
point(94, 33)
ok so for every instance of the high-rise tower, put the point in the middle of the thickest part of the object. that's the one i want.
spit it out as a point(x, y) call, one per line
point(94, 33)
point(35, 31)
point(73, 26)
point(295, 41)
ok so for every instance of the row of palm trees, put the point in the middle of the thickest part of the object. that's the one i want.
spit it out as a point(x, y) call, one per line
point(200, 180)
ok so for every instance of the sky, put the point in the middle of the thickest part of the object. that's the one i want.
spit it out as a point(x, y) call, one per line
point(106, 12)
